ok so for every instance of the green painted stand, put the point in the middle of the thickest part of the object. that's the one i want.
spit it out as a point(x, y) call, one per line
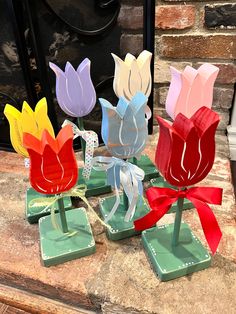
point(97, 183)
point(159, 182)
point(119, 228)
point(34, 213)
point(56, 247)
point(147, 165)
point(170, 261)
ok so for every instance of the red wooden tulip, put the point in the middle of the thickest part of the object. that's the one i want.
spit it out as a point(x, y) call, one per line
point(186, 149)
point(53, 167)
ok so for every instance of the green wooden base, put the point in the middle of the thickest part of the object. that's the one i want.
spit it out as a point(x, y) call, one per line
point(119, 228)
point(34, 213)
point(172, 262)
point(96, 185)
point(148, 167)
point(56, 247)
point(159, 182)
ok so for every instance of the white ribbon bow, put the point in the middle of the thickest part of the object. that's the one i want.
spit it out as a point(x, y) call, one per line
point(120, 172)
point(91, 140)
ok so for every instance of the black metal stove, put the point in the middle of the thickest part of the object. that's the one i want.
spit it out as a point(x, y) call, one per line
point(36, 32)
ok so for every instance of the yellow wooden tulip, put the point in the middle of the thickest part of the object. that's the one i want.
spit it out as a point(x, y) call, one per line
point(29, 121)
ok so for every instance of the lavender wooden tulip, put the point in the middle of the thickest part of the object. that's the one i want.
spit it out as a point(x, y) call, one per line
point(74, 89)
point(124, 128)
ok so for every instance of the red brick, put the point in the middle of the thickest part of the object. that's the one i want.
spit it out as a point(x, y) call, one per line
point(131, 43)
point(162, 72)
point(223, 98)
point(175, 16)
point(198, 46)
point(131, 17)
point(227, 73)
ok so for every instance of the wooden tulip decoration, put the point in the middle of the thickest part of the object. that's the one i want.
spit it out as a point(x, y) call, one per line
point(53, 170)
point(124, 133)
point(132, 75)
point(75, 91)
point(53, 167)
point(76, 96)
point(190, 90)
point(124, 130)
point(185, 155)
point(34, 122)
point(29, 121)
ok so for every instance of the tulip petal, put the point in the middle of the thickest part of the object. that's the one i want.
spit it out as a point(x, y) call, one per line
point(41, 116)
point(88, 90)
point(53, 167)
point(124, 128)
point(164, 146)
point(144, 61)
point(61, 91)
point(108, 111)
point(121, 78)
point(138, 102)
point(68, 160)
point(13, 116)
point(74, 90)
point(183, 105)
point(28, 122)
point(62, 96)
point(55, 69)
point(174, 92)
point(135, 80)
point(206, 129)
point(121, 107)
point(208, 72)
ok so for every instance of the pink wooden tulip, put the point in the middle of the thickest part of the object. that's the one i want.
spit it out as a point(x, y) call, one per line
point(190, 90)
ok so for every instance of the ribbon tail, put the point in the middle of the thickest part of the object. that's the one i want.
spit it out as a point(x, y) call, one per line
point(93, 211)
point(150, 219)
point(114, 209)
point(131, 210)
point(117, 202)
point(209, 224)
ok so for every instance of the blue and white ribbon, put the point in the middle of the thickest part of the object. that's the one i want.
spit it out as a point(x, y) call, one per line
point(121, 173)
point(91, 140)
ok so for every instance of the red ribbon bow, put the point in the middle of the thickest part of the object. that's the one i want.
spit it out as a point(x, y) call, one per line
point(161, 199)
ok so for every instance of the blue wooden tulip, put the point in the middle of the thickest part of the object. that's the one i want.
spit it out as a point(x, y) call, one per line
point(124, 128)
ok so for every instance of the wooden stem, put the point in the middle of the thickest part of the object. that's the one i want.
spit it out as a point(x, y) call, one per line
point(177, 224)
point(62, 215)
point(82, 141)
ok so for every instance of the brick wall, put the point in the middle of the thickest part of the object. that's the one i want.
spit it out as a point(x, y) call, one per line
point(188, 33)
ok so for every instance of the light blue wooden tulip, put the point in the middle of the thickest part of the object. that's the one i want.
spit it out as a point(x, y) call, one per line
point(124, 128)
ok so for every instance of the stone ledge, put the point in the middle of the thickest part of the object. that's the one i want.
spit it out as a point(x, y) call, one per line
point(118, 275)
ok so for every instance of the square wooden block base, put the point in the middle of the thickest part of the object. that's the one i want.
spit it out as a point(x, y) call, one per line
point(170, 262)
point(57, 247)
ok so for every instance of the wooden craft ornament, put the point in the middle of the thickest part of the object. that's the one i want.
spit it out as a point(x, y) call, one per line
point(124, 127)
point(184, 156)
point(190, 90)
point(53, 166)
point(27, 121)
point(132, 75)
point(74, 89)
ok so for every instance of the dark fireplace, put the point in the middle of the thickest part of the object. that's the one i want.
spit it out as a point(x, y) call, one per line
point(36, 32)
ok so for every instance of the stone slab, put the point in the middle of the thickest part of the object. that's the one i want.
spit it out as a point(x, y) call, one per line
point(118, 277)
